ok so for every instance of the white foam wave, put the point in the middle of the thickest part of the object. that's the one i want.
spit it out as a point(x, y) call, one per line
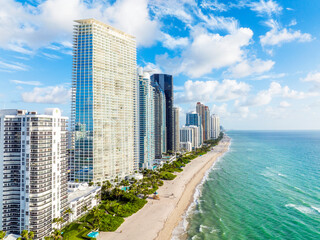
point(317, 209)
point(183, 225)
point(304, 209)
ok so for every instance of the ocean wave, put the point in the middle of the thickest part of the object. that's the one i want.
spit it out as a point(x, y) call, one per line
point(183, 225)
point(204, 228)
point(304, 209)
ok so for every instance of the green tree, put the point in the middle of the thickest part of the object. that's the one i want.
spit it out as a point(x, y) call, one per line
point(2, 234)
point(25, 235)
point(56, 235)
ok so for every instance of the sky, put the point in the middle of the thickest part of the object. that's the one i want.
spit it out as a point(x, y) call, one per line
point(255, 63)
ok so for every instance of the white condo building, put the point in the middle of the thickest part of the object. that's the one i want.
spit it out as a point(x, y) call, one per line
point(33, 170)
point(190, 134)
point(103, 115)
point(214, 126)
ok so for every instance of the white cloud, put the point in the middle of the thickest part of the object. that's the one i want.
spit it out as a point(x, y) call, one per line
point(221, 110)
point(312, 77)
point(293, 23)
point(214, 5)
point(218, 22)
point(265, 7)
point(50, 56)
point(207, 52)
point(246, 68)
point(179, 9)
point(209, 91)
point(12, 66)
point(284, 104)
point(172, 43)
point(264, 97)
point(277, 36)
point(25, 28)
point(270, 76)
point(49, 95)
point(152, 68)
point(32, 83)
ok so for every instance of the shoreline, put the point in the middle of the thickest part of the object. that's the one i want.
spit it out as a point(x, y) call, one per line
point(158, 218)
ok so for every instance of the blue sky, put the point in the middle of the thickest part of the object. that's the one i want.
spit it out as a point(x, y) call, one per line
point(256, 63)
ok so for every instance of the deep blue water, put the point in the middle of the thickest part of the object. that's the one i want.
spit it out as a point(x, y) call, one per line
point(266, 187)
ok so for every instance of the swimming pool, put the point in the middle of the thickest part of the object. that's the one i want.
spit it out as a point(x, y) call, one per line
point(93, 234)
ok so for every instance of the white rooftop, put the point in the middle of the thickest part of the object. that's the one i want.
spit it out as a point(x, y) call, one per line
point(80, 191)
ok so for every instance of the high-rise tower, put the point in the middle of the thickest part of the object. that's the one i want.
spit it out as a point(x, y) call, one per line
point(204, 113)
point(193, 118)
point(33, 170)
point(215, 126)
point(176, 129)
point(146, 120)
point(103, 102)
point(160, 129)
point(165, 81)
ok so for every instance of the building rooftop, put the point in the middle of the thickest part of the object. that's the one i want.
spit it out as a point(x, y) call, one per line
point(80, 190)
point(92, 20)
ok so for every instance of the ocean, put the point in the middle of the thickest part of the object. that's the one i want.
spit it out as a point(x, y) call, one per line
point(266, 187)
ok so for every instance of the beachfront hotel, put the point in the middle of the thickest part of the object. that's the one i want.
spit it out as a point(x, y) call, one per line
point(146, 121)
point(214, 126)
point(165, 81)
point(33, 170)
point(103, 114)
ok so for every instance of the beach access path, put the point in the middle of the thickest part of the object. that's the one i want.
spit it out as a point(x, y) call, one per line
point(158, 218)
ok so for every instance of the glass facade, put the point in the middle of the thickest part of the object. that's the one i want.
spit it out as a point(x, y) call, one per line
point(165, 82)
point(146, 122)
point(160, 130)
point(194, 119)
point(103, 102)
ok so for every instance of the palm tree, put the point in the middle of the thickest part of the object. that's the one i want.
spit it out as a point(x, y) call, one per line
point(56, 235)
point(2, 234)
point(31, 235)
point(96, 217)
point(97, 197)
point(24, 234)
point(58, 221)
point(68, 211)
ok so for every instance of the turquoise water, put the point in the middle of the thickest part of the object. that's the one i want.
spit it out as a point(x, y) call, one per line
point(266, 187)
point(93, 234)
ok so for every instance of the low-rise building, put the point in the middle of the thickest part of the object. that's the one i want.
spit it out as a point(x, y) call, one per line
point(82, 198)
point(185, 146)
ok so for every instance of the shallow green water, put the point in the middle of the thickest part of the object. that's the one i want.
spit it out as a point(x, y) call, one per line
point(266, 187)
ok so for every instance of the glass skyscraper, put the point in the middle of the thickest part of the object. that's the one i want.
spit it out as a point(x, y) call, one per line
point(103, 102)
point(146, 121)
point(160, 129)
point(165, 81)
point(194, 119)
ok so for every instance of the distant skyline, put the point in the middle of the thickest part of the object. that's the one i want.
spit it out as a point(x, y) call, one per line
point(255, 63)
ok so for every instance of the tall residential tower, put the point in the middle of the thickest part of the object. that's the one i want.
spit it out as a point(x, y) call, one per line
point(215, 126)
point(146, 121)
point(33, 170)
point(165, 81)
point(103, 102)
point(160, 129)
point(176, 129)
point(204, 113)
point(193, 118)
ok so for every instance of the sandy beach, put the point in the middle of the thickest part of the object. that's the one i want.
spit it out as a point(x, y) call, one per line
point(158, 218)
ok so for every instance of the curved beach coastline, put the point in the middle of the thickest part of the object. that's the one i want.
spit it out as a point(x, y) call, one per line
point(158, 218)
